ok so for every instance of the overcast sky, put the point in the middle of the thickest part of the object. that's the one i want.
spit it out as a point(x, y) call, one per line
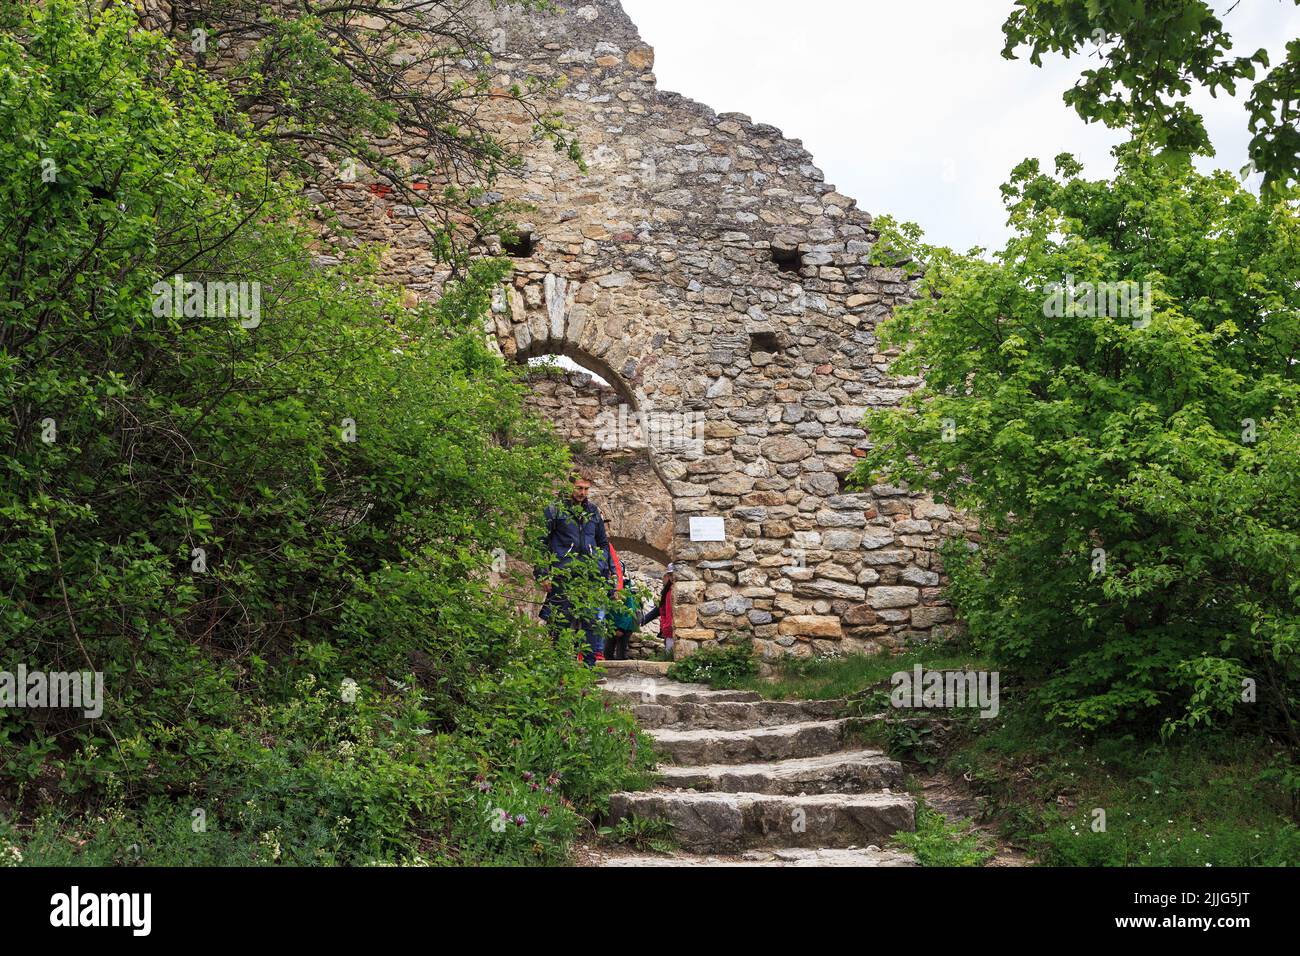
point(908, 105)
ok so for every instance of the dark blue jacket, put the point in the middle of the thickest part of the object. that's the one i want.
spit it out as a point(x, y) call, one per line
point(566, 538)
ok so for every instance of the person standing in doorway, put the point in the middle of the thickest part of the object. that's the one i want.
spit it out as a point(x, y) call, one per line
point(663, 612)
point(575, 535)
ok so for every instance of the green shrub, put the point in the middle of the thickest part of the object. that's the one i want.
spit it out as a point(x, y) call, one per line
point(186, 510)
point(642, 833)
point(1134, 477)
point(725, 665)
point(936, 842)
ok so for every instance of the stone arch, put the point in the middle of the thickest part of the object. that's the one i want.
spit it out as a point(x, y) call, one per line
point(588, 361)
point(643, 548)
point(627, 484)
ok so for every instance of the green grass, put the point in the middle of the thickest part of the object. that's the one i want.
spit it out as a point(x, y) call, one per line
point(823, 678)
point(642, 834)
point(730, 665)
point(1201, 800)
point(937, 842)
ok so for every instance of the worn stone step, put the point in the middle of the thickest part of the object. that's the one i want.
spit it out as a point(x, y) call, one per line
point(727, 822)
point(852, 771)
point(810, 738)
point(731, 715)
point(792, 856)
point(649, 668)
point(646, 689)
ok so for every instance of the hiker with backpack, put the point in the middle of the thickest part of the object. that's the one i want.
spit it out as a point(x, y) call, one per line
point(578, 546)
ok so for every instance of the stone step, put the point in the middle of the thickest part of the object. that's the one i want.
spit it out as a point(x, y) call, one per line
point(650, 668)
point(793, 856)
point(644, 689)
point(727, 822)
point(810, 738)
point(731, 715)
point(853, 771)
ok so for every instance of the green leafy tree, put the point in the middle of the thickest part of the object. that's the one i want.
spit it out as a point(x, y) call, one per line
point(246, 487)
point(407, 90)
point(1152, 54)
point(1131, 459)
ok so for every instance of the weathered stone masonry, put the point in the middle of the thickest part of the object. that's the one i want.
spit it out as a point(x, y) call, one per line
point(703, 266)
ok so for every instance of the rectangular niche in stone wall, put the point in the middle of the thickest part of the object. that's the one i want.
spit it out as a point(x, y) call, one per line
point(520, 246)
point(764, 342)
point(786, 259)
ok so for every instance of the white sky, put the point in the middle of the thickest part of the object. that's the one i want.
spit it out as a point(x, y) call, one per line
point(908, 105)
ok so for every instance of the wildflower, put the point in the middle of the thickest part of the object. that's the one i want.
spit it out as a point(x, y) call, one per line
point(520, 819)
point(545, 811)
point(528, 775)
point(483, 785)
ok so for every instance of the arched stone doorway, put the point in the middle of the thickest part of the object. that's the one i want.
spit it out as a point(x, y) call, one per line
point(643, 566)
point(601, 429)
point(598, 415)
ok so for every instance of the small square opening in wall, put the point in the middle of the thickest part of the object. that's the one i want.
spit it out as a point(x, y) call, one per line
point(521, 246)
point(787, 259)
point(764, 342)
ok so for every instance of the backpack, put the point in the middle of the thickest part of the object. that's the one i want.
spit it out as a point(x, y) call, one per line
point(627, 616)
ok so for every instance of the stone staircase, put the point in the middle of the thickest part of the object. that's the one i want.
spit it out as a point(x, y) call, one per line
point(751, 781)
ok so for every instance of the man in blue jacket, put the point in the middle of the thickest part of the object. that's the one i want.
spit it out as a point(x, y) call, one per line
point(575, 534)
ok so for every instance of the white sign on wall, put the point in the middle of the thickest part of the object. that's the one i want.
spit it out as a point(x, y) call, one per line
point(708, 529)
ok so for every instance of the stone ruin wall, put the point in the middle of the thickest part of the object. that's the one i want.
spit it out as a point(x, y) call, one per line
point(705, 268)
